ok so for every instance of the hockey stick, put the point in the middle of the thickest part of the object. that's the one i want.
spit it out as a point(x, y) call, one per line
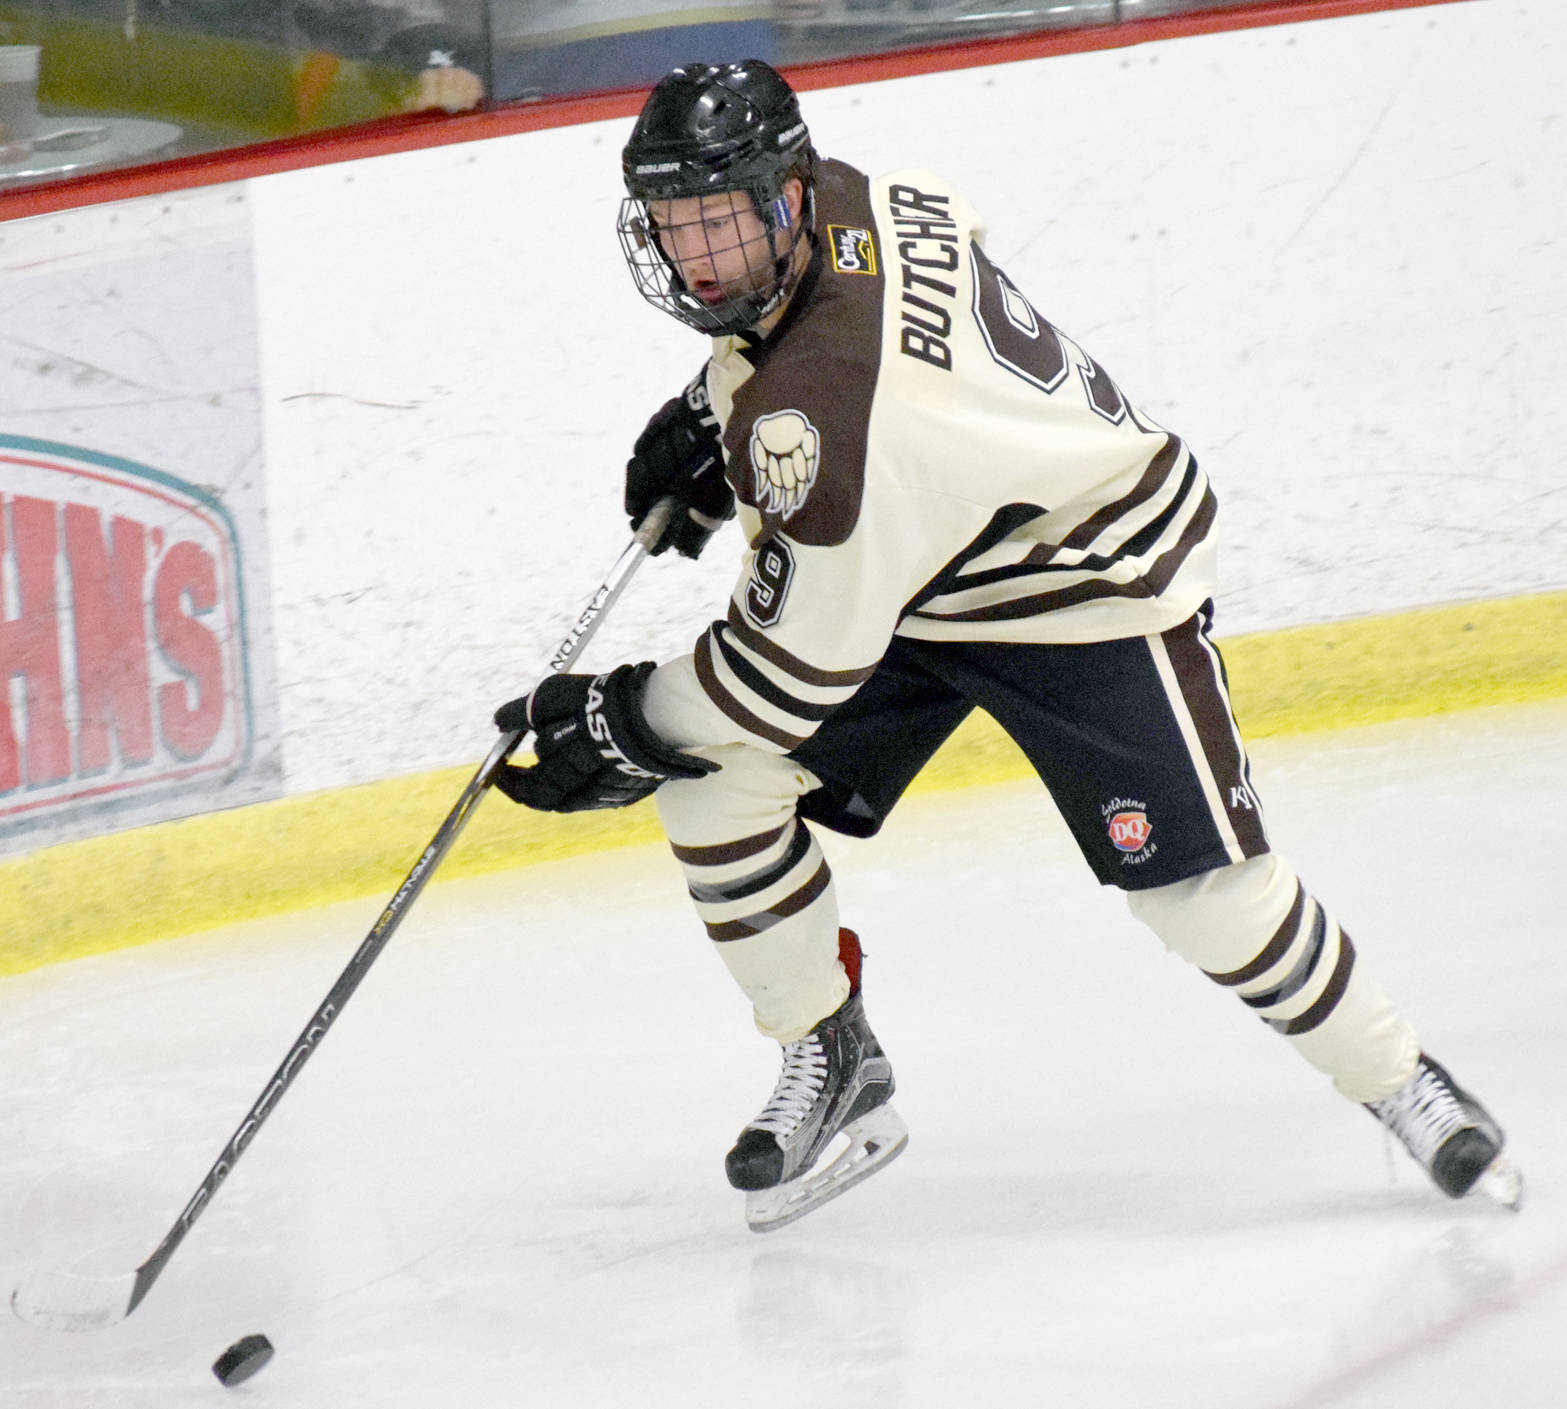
point(65, 1301)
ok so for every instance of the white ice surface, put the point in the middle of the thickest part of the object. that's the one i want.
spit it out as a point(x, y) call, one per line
point(500, 1183)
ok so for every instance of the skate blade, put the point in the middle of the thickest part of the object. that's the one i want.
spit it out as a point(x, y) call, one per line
point(874, 1139)
point(1502, 1182)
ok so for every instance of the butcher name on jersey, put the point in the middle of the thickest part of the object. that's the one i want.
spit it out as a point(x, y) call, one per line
point(927, 240)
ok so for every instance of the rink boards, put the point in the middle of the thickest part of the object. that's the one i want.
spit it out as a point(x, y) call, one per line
point(295, 853)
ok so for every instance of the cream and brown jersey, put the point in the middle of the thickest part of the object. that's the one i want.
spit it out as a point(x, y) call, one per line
point(917, 452)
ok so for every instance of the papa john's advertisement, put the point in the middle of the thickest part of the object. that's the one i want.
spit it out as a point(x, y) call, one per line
point(136, 653)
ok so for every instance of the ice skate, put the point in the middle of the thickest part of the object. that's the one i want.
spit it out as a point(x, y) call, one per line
point(1450, 1135)
point(836, 1081)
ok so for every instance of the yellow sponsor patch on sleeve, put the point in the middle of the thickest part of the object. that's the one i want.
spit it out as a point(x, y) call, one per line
point(853, 249)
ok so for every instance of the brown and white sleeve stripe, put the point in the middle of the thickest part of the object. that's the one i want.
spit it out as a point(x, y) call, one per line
point(763, 689)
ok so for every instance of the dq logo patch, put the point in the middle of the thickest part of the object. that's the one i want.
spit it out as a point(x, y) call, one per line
point(771, 572)
point(1129, 831)
point(853, 249)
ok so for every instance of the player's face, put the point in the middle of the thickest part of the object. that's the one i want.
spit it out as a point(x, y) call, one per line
point(718, 244)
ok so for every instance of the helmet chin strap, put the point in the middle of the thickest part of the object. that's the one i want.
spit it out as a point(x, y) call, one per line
point(784, 274)
point(783, 222)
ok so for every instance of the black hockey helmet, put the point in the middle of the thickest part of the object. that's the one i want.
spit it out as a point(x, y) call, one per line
point(715, 129)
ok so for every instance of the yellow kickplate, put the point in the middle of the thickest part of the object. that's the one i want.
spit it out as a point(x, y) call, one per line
point(81, 898)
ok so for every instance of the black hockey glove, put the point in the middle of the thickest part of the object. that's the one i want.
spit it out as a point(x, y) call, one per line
point(679, 454)
point(594, 747)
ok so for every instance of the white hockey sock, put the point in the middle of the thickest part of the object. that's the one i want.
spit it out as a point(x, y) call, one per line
point(1252, 927)
point(760, 885)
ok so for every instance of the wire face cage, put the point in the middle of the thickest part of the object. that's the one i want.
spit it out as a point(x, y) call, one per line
point(720, 263)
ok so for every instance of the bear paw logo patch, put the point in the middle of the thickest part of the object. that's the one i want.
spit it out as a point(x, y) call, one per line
point(785, 448)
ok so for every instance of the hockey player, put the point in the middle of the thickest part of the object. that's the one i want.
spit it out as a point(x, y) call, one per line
point(947, 504)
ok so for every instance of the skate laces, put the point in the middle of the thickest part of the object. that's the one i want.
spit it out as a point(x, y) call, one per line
point(1423, 1113)
point(804, 1074)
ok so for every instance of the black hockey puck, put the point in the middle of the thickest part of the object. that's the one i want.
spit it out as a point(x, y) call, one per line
point(242, 1359)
